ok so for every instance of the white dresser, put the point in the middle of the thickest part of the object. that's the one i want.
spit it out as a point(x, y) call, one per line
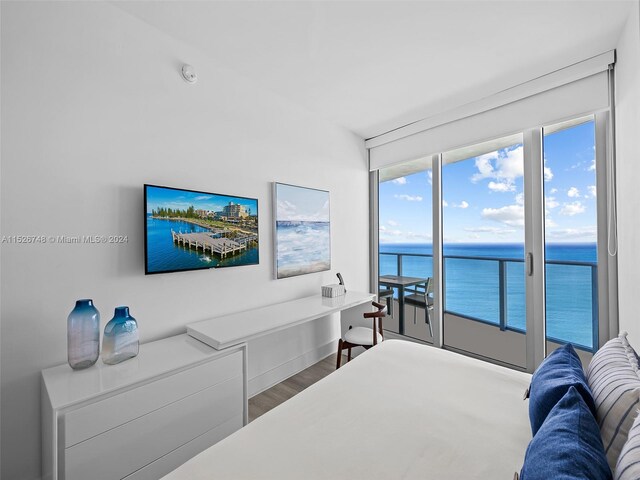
point(142, 418)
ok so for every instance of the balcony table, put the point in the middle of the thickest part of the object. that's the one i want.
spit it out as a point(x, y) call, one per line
point(400, 282)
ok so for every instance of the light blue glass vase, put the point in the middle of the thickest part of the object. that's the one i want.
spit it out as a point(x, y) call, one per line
point(83, 335)
point(120, 341)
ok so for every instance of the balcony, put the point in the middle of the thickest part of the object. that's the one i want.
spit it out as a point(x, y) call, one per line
point(490, 292)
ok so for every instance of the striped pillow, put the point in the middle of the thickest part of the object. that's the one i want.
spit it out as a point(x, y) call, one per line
point(628, 466)
point(614, 381)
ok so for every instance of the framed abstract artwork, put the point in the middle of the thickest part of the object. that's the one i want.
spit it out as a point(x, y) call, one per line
point(302, 230)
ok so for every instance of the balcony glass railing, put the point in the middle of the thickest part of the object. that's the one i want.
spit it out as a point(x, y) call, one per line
point(492, 291)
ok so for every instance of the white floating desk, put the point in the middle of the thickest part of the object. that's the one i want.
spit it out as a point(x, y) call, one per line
point(236, 328)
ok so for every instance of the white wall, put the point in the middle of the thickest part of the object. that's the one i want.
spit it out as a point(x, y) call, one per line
point(628, 173)
point(93, 107)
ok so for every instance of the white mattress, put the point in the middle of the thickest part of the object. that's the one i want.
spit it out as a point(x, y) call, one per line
point(398, 411)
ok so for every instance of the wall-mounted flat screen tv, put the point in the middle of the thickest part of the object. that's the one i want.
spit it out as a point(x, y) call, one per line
point(192, 230)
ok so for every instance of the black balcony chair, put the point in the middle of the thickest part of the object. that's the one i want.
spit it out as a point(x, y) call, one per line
point(387, 295)
point(422, 298)
point(363, 336)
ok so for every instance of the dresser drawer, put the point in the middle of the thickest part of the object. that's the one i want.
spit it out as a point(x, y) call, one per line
point(177, 457)
point(87, 422)
point(134, 445)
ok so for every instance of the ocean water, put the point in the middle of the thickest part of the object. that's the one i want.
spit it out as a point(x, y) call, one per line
point(165, 255)
point(472, 284)
point(303, 247)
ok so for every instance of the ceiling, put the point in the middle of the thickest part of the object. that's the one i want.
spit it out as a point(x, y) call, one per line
point(372, 66)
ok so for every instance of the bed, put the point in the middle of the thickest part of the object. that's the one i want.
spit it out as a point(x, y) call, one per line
point(399, 410)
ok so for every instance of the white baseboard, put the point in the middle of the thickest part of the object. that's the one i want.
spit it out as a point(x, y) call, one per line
point(276, 375)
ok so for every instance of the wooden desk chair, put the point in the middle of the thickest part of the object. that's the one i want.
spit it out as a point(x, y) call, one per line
point(423, 298)
point(363, 336)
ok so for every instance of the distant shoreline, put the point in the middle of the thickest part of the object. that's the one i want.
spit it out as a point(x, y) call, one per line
point(186, 220)
point(208, 226)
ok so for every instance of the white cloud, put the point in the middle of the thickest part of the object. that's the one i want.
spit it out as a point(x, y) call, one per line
point(520, 199)
point(491, 230)
point(462, 204)
point(571, 209)
point(430, 176)
point(573, 192)
point(551, 202)
point(286, 209)
point(501, 186)
point(393, 223)
point(592, 166)
point(592, 191)
point(485, 167)
point(548, 174)
point(398, 236)
point(289, 211)
point(512, 215)
point(503, 166)
point(553, 190)
point(203, 197)
point(386, 232)
point(574, 166)
point(585, 233)
point(511, 165)
point(409, 198)
point(399, 181)
point(418, 236)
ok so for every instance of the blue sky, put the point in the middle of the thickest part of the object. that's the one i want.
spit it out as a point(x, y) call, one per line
point(483, 196)
point(302, 204)
point(182, 199)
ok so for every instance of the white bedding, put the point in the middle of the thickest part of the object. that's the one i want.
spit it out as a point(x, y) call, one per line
point(398, 411)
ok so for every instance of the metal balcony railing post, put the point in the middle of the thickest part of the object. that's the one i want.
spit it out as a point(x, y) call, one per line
point(444, 286)
point(502, 266)
point(399, 256)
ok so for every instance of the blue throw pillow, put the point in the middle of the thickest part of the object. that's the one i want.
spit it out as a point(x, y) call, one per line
point(559, 371)
point(568, 445)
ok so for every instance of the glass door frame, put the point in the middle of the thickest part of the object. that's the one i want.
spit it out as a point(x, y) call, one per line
point(534, 243)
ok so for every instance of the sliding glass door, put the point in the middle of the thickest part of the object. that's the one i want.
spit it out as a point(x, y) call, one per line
point(497, 247)
point(483, 224)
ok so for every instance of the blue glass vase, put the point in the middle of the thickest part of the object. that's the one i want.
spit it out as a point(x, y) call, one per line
point(83, 335)
point(120, 341)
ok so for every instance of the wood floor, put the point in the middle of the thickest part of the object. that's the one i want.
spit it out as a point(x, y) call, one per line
point(283, 391)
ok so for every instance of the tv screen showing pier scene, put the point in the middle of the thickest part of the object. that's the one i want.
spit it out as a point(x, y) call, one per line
point(191, 230)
